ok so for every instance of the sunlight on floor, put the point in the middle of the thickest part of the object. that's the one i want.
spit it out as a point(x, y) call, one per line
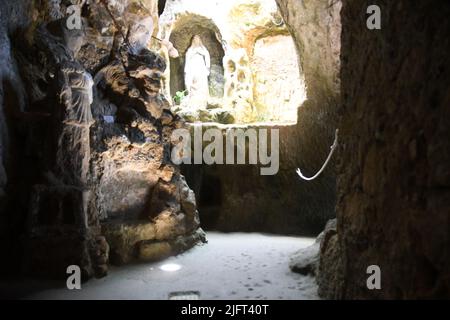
point(231, 266)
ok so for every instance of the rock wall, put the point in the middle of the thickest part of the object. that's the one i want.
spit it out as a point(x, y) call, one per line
point(93, 182)
point(392, 163)
point(393, 172)
point(237, 198)
point(276, 79)
point(12, 99)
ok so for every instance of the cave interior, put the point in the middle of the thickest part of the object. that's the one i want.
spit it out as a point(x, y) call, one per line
point(88, 113)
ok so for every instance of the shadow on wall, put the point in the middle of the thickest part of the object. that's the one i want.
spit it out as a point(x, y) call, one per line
point(20, 170)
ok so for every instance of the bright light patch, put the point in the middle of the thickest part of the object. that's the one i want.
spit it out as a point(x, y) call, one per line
point(170, 267)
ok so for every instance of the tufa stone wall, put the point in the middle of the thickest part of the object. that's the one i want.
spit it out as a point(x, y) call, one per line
point(92, 181)
point(392, 163)
point(393, 167)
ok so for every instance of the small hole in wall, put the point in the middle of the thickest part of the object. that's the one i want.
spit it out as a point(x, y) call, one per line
point(231, 66)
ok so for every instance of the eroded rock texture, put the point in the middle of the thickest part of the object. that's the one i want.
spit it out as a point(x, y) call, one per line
point(394, 178)
point(393, 172)
point(95, 133)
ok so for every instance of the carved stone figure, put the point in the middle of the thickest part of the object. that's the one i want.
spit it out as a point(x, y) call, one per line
point(196, 72)
point(132, 82)
point(76, 119)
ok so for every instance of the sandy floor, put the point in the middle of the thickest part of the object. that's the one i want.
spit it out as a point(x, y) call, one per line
point(230, 266)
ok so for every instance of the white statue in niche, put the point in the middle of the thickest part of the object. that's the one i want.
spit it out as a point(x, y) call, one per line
point(196, 72)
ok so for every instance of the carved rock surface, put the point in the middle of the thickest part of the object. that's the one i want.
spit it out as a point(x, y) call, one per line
point(392, 173)
point(394, 177)
point(92, 136)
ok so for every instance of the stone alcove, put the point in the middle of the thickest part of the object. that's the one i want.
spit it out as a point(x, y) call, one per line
point(185, 28)
point(278, 83)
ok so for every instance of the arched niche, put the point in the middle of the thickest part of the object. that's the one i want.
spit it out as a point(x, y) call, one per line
point(279, 86)
point(185, 28)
